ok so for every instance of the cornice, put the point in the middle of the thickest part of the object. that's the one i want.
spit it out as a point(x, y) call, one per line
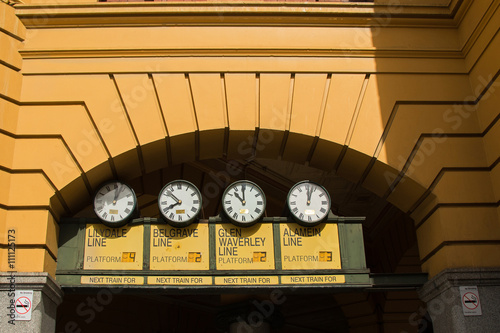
point(241, 13)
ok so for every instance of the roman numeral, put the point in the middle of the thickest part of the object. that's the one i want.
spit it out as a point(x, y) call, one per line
point(227, 202)
point(309, 218)
point(130, 203)
point(323, 210)
point(180, 218)
point(193, 194)
point(171, 216)
point(108, 188)
point(293, 203)
point(243, 218)
point(163, 202)
point(112, 218)
point(229, 209)
point(301, 216)
point(324, 202)
point(257, 195)
point(257, 210)
point(295, 210)
point(129, 195)
point(165, 210)
point(260, 203)
point(195, 202)
point(179, 186)
point(193, 209)
point(235, 215)
point(127, 210)
point(105, 215)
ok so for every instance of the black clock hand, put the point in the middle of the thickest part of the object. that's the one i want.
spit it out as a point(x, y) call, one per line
point(238, 196)
point(243, 191)
point(308, 195)
point(174, 197)
point(117, 192)
point(173, 205)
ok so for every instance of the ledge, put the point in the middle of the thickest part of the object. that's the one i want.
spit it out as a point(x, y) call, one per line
point(241, 13)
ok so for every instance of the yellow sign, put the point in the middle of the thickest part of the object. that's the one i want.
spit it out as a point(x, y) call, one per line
point(180, 280)
point(179, 248)
point(113, 248)
point(112, 280)
point(244, 248)
point(312, 279)
point(310, 247)
point(245, 280)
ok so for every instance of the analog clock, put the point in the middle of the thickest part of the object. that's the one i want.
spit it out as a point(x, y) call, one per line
point(115, 203)
point(309, 203)
point(180, 203)
point(244, 203)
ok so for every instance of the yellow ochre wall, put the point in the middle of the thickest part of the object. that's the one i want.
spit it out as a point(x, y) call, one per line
point(404, 102)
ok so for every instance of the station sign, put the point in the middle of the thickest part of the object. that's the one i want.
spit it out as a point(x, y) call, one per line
point(179, 248)
point(240, 248)
point(310, 247)
point(113, 248)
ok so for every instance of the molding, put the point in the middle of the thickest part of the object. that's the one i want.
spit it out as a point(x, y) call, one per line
point(39, 282)
point(240, 13)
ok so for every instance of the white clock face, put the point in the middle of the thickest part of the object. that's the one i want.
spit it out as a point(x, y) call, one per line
point(244, 202)
point(115, 203)
point(179, 202)
point(309, 202)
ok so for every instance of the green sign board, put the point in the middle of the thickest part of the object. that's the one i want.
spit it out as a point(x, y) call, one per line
point(214, 253)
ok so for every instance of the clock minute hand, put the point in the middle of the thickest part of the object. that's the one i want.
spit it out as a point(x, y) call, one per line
point(117, 192)
point(309, 195)
point(174, 197)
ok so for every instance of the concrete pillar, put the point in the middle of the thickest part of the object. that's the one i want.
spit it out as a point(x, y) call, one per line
point(444, 301)
point(47, 295)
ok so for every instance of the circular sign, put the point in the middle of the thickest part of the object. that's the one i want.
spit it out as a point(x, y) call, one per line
point(23, 305)
point(470, 301)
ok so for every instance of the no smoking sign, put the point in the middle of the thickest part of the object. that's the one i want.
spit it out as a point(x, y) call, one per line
point(471, 304)
point(23, 304)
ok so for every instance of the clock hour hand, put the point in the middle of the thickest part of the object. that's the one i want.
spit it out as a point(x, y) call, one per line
point(173, 205)
point(241, 199)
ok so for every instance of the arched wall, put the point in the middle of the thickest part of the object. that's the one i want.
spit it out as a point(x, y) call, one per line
point(371, 100)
